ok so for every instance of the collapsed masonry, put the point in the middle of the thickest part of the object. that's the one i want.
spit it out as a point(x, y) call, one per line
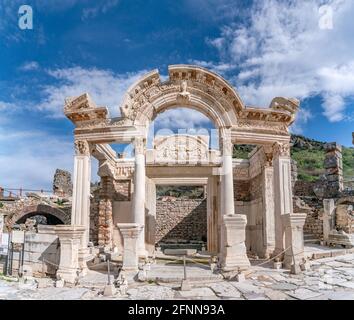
point(324, 196)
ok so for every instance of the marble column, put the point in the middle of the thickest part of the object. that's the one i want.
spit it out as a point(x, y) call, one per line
point(268, 203)
point(233, 256)
point(80, 211)
point(70, 241)
point(139, 193)
point(283, 198)
point(227, 180)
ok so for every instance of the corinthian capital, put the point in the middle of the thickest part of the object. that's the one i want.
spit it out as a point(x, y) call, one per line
point(139, 145)
point(82, 148)
point(267, 155)
point(227, 145)
point(281, 149)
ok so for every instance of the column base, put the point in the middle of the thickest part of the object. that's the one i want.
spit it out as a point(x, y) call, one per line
point(70, 237)
point(233, 256)
point(68, 275)
point(130, 233)
point(294, 238)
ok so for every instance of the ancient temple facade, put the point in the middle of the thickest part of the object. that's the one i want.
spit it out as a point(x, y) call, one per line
point(249, 202)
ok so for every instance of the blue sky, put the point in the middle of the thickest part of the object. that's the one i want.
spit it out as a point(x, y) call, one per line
point(264, 48)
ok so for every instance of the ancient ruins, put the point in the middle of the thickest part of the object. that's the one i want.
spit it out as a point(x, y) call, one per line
point(241, 209)
point(126, 212)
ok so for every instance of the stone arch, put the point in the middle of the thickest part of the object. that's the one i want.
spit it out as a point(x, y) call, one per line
point(59, 215)
point(187, 86)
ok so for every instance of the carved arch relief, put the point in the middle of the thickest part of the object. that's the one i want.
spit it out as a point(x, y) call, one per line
point(189, 86)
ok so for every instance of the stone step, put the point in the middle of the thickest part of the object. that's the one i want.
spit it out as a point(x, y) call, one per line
point(313, 241)
point(311, 238)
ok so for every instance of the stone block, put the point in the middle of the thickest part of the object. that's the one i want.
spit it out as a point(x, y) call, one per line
point(180, 252)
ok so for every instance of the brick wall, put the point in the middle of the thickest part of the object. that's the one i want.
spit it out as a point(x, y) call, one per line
point(181, 219)
point(242, 190)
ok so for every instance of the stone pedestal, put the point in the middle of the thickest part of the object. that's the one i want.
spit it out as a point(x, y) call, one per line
point(70, 238)
point(130, 233)
point(328, 218)
point(233, 256)
point(294, 238)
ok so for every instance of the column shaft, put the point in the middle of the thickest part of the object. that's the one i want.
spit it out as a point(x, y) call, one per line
point(139, 193)
point(80, 212)
point(282, 191)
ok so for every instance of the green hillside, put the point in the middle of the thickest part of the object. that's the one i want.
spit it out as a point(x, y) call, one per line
point(309, 155)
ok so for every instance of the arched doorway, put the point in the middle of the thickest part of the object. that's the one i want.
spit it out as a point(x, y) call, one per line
point(50, 215)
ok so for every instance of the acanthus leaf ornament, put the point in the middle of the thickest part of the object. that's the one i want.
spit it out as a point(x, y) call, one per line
point(139, 145)
point(82, 148)
point(281, 149)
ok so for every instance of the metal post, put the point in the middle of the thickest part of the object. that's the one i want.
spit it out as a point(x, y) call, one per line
point(109, 272)
point(184, 268)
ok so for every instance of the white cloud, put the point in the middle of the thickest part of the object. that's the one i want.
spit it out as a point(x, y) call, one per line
point(101, 7)
point(30, 66)
point(282, 51)
point(334, 106)
point(105, 87)
point(303, 116)
point(181, 118)
point(32, 163)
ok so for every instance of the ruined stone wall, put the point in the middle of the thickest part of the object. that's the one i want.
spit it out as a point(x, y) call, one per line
point(94, 216)
point(344, 218)
point(101, 210)
point(304, 188)
point(62, 185)
point(334, 169)
point(313, 207)
point(181, 219)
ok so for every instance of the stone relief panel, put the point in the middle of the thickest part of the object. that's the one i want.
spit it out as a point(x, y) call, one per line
point(181, 149)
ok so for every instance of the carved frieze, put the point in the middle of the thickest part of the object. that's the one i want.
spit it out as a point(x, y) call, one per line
point(181, 148)
point(263, 126)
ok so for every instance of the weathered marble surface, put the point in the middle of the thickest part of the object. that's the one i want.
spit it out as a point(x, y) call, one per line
point(328, 279)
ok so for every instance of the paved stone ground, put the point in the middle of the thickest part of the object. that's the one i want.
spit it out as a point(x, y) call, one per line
point(329, 279)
